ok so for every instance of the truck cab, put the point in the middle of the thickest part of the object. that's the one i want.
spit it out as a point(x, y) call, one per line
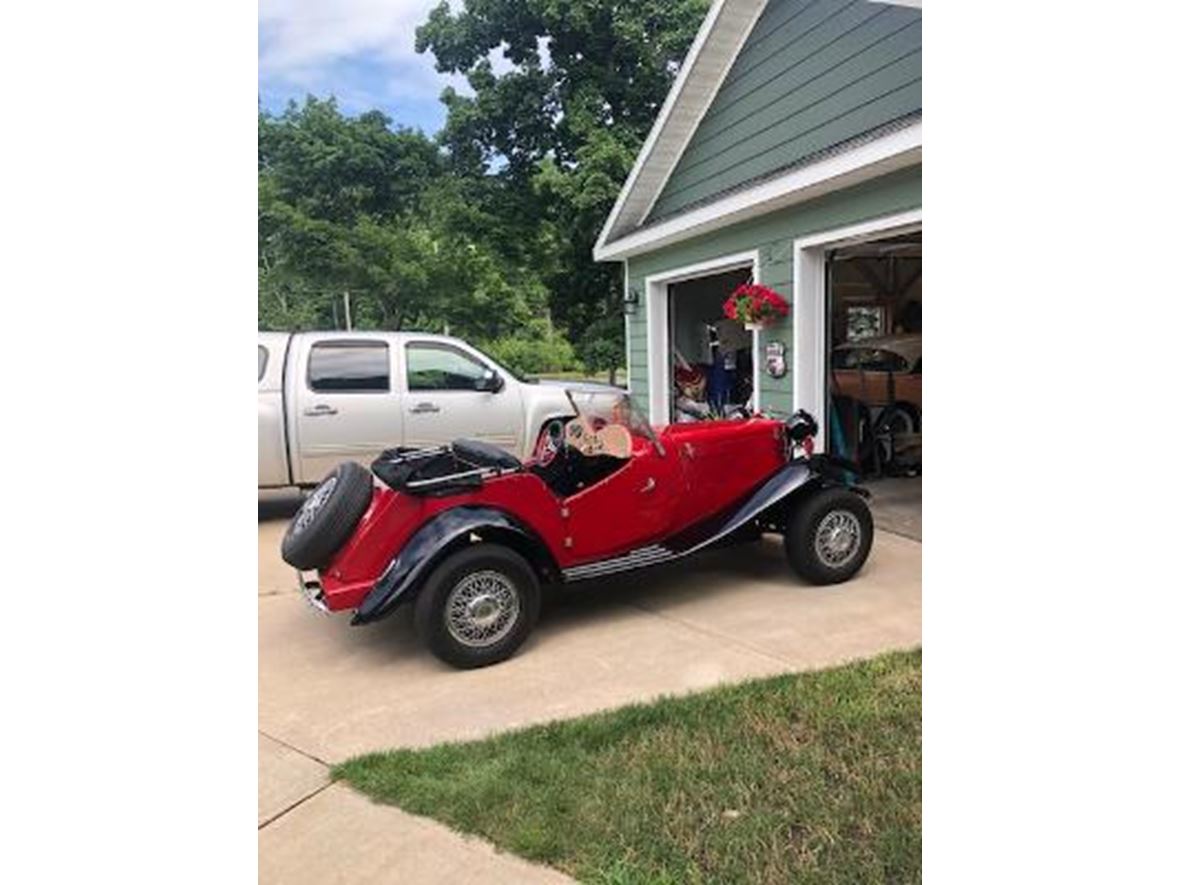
point(327, 397)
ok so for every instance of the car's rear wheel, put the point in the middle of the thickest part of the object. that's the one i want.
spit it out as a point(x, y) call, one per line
point(828, 536)
point(327, 517)
point(478, 606)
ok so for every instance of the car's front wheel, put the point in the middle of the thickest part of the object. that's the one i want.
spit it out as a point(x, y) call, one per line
point(478, 606)
point(828, 536)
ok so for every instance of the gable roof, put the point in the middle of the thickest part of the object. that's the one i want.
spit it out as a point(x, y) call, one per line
point(631, 228)
point(714, 50)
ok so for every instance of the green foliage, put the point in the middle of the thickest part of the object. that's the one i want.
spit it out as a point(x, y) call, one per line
point(538, 349)
point(565, 128)
point(602, 346)
point(488, 230)
point(335, 168)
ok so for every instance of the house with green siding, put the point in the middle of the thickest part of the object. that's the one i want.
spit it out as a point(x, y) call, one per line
point(789, 153)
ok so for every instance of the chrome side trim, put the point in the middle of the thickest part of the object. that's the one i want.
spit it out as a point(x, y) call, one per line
point(640, 558)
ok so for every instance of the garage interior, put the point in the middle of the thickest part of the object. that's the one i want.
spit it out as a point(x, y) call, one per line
point(712, 355)
point(874, 346)
point(875, 372)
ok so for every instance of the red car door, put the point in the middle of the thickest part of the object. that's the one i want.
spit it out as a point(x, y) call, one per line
point(630, 508)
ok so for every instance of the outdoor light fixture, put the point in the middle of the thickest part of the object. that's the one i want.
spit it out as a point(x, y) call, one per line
point(630, 301)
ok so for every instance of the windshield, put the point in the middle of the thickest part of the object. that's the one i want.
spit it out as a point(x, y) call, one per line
point(612, 407)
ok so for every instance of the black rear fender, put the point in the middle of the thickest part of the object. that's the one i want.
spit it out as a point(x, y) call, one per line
point(447, 532)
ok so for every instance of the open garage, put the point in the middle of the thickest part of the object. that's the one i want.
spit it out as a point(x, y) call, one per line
point(875, 360)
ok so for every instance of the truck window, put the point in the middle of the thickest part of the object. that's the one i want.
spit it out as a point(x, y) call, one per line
point(348, 367)
point(261, 361)
point(441, 367)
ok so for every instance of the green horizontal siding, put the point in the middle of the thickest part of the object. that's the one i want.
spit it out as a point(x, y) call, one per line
point(773, 236)
point(812, 75)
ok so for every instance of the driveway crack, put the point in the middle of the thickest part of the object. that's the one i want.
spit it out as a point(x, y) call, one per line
point(310, 756)
point(270, 820)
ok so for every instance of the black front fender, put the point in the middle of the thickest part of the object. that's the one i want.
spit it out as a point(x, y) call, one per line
point(434, 540)
point(815, 472)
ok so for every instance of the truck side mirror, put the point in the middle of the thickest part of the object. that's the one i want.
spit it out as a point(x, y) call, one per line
point(491, 382)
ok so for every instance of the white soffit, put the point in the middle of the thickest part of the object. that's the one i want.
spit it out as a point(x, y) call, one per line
point(722, 34)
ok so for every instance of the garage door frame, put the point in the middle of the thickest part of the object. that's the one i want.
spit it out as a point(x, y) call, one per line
point(659, 350)
point(810, 304)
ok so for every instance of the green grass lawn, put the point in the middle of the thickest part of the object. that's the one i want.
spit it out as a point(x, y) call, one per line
point(815, 777)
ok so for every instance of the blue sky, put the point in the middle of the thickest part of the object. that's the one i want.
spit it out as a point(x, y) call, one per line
point(361, 51)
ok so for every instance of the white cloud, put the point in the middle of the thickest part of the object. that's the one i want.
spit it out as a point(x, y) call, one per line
point(301, 34)
point(360, 50)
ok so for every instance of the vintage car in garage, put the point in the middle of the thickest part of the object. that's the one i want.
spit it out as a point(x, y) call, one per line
point(880, 372)
point(468, 534)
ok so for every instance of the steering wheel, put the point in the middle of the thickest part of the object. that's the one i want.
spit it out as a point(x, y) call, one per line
point(550, 443)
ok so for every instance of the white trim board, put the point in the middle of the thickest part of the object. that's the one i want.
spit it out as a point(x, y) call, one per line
point(809, 342)
point(627, 321)
point(659, 352)
point(724, 31)
point(880, 156)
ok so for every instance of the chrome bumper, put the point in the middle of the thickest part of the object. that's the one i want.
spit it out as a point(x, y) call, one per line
point(312, 592)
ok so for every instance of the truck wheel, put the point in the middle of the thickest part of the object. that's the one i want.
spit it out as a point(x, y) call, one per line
point(828, 536)
point(478, 606)
point(324, 522)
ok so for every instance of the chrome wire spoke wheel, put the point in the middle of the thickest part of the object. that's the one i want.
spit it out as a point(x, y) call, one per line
point(314, 504)
point(482, 608)
point(837, 538)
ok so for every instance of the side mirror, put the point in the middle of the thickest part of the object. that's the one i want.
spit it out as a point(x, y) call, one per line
point(491, 382)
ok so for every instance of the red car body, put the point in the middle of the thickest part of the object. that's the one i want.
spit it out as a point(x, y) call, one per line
point(469, 534)
point(705, 468)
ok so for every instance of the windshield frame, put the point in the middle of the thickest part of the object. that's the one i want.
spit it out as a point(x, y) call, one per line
point(630, 415)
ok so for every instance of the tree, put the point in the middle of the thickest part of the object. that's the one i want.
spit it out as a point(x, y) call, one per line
point(336, 168)
point(348, 205)
point(486, 231)
point(560, 129)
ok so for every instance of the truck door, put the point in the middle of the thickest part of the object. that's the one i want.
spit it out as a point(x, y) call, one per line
point(346, 404)
point(446, 398)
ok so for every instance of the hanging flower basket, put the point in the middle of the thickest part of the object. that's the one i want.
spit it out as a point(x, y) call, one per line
point(755, 306)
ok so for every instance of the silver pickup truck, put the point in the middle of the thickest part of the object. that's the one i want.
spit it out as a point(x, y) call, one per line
point(327, 397)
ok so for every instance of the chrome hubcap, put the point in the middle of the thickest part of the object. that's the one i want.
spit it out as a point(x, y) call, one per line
point(482, 609)
point(314, 504)
point(837, 539)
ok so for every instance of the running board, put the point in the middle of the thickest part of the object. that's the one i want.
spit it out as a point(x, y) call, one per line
point(640, 558)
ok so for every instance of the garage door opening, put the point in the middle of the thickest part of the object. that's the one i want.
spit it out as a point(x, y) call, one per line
point(874, 322)
point(711, 373)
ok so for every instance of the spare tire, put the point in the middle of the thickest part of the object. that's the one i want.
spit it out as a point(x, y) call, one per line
point(327, 517)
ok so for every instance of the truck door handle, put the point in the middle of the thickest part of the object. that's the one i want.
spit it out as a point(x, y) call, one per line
point(321, 409)
point(423, 408)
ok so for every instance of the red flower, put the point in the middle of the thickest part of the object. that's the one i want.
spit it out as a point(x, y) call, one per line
point(754, 303)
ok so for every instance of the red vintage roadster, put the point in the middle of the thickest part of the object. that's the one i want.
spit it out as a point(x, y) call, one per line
point(468, 534)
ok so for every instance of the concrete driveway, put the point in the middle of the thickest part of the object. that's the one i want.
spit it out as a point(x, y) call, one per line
point(328, 691)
